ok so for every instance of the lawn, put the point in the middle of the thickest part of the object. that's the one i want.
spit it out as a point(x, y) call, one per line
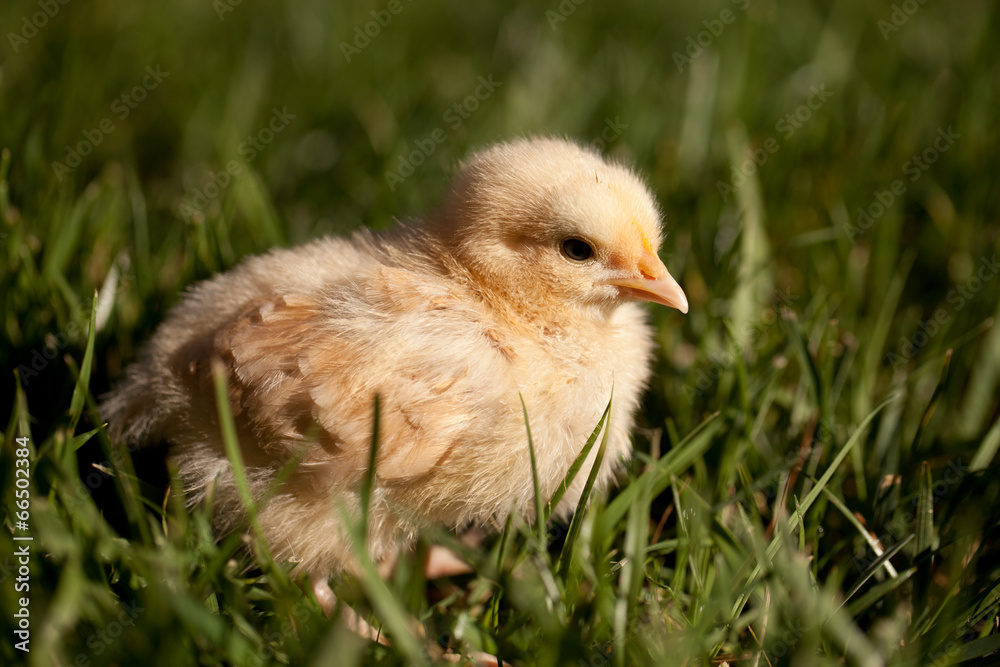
point(816, 478)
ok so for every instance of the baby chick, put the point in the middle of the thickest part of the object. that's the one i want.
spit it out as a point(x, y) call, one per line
point(523, 283)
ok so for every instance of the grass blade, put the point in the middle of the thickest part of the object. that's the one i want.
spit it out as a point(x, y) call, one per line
point(539, 503)
point(368, 482)
point(577, 464)
point(235, 456)
point(388, 607)
point(80, 390)
point(879, 591)
point(979, 648)
point(20, 416)
point(872, 542)
point(925, 510)
point(566, 556)
point(882, 560)
point(932, 404)
point(987, 450)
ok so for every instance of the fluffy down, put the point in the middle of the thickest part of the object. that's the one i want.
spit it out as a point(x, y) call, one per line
point(449, 320)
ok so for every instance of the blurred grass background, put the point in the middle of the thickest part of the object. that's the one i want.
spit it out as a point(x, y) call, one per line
point(763, 128)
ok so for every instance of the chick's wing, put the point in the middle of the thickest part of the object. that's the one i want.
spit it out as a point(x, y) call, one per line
point(309, 366)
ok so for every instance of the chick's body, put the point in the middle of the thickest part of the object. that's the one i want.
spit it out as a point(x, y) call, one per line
point(449, 321)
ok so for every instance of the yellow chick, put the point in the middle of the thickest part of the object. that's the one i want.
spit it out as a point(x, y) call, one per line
point(523, 283)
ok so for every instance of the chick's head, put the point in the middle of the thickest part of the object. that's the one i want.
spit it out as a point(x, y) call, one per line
point(546, 223)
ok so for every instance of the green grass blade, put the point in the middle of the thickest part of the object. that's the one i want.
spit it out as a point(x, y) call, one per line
point(577, 464)
point(794, 327)
point(20, 416)
point(878, 334)
point(368, 482)
point(566, 555)
point(881, 561)
point(933, 402)
point(849, 515)
point(925, 510)
point(4, 185)
point(987, 450)
point(979, 648)
point(539, 503)
point(879, 591)
point(388, 607)
point(235, 456)
point(81, 388)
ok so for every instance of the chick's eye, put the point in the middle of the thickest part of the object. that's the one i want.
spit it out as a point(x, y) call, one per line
point(577, 250)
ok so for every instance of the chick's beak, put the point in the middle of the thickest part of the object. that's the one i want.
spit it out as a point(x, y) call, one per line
point(655, 284)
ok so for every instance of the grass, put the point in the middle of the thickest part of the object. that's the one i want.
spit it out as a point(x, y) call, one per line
point(816, 476)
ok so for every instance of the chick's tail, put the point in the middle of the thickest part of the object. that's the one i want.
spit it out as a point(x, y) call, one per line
point(133, 411)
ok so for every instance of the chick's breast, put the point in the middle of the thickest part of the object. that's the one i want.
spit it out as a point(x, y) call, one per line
point(568, 382)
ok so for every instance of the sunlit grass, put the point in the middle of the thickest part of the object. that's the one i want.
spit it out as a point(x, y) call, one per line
point(815, 479)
